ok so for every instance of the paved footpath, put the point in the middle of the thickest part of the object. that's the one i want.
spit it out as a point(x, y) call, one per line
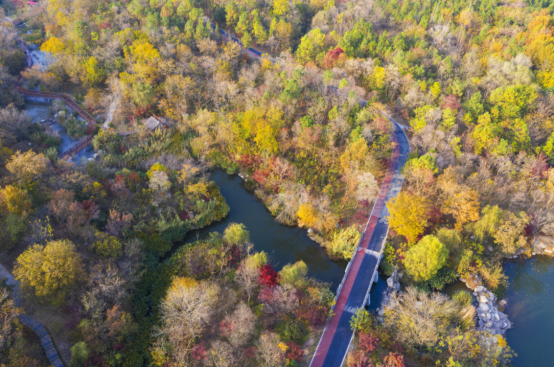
point(354, 290)
point(37, 327)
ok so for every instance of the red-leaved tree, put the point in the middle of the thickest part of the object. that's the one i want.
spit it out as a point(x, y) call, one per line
point(368, 343)
point(359, 359)
point(198, 352)
point(394, 360)
point(268, 276)
point(294, 352)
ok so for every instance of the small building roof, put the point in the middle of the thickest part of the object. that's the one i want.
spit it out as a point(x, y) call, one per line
point(152, 123)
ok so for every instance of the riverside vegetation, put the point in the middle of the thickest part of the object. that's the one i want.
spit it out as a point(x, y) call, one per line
point(472, 80)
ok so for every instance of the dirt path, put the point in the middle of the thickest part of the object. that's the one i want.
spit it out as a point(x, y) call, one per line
point(27, 320)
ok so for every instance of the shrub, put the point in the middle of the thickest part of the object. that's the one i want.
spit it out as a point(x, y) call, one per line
point(368, 343)
point(109, 247)
point(294, 353)
point(344, 243)
point(463, 298)
point(293, 330)
point(361, 321)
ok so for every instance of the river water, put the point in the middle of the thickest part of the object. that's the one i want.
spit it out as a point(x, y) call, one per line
point(282, 243)
point(530, 295)
point(530, 299)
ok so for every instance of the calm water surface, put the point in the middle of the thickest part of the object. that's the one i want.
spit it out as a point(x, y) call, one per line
point(530, 301)
point(283, 244)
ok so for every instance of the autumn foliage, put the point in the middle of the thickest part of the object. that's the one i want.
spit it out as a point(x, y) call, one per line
point(268, 276)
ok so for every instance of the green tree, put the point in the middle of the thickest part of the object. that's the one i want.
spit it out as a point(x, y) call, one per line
point(310, 46)
point(142, 94)
point(344, 243)
point(474, 107)
point(425, 259)
point(246, 40)
point(243, 26)
point(50, 271)
point(513, 101)
point(448, 119)
point(487, 225)
point(485, 134)
point(231, 14)
point(236, 234)
point(202, 31)
point(109, 247)
point(294, 274)
point(359, 41)
point(260, 33)
point(408, 215)
point(79, 354)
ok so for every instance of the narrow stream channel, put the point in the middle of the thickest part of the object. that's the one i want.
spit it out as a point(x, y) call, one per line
point(40, 111)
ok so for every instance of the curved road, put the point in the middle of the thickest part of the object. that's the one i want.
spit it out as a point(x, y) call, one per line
point(353, 292)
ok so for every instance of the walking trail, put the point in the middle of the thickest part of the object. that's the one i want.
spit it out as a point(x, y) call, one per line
point(38, 328)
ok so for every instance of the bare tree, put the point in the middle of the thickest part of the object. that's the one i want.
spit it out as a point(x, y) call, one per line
point(186, 310)
point(418, 318)
point(13, 124)
point(247, 277)
point(269, 353)
point(239, 326)
point(221, 354)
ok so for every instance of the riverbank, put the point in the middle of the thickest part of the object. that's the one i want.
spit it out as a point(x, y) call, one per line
point(283, 244)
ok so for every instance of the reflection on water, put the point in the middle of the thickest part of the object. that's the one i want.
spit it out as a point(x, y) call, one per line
point(284, 244)
point(530, 300)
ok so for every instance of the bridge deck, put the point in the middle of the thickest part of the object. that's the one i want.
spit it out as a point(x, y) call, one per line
point(354, 290)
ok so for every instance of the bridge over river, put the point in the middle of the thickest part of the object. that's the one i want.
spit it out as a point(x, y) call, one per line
point(353, 292)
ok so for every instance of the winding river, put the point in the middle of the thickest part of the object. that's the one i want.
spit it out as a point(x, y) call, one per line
point(530, 295)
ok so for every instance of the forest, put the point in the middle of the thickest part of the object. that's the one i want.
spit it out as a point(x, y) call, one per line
point(98, 248)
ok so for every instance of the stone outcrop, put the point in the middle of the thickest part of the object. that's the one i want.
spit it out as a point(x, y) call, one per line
point(489, 317)
point(543, 245)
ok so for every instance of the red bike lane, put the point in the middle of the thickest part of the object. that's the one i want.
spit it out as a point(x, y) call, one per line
point(326, 343)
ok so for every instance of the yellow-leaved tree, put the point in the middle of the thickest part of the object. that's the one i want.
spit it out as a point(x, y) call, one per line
point(28, 165)
point(15, 200)
point(408, 215)
point(307, 215)
point(52, 44)
point(50, 271)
